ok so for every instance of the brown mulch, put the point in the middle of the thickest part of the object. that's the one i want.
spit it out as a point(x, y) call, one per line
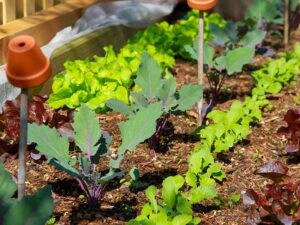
point(121, 204)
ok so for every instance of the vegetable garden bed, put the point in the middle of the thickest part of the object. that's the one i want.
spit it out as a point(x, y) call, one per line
point(209, 170)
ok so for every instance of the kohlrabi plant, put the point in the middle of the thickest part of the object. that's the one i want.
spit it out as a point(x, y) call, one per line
point(218, 67)
point(92, 144)
point(172, 209)
point(279, 201)
point(155, 89)
point(31, 210)
point(229, 38)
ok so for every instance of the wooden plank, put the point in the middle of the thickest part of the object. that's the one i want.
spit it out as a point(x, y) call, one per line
point(47, 3)
point(29, 7)
point(9, 10)
point(43, 25)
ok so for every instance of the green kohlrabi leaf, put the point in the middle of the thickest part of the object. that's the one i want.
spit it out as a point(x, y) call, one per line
point(137, 129)
point(237, 58)
point(49, 142)
point(188, 96)
point(253, 38)
point(149, 76)
point(86, 130)
point(31, 210)
point(119, 106)
point(208, 55)
point(8, 186)
point(167, 94)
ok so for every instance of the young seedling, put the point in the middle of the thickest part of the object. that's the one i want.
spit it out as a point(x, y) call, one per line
point(93, 144)
point(154, 89)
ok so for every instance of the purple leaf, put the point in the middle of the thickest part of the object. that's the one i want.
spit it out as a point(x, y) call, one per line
point(274, 170)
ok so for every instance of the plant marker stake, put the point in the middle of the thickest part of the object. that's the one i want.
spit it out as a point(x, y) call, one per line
point(286, 21)
point(200, 63)
point(27, 67)
point(22, 142)
point(201, 5)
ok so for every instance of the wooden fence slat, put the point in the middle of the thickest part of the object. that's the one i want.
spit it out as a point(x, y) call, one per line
point(9, 10)
point(29, 7)
point(47, 3)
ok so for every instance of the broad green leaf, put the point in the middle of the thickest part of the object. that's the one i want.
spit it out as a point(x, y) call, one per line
point(8, 186)
point(188, 96)
point(32, 210)
point(253, 38)
point(149, 76)
point(167, 94)
point(237, 58)
point(208, 54)
point(86, 130)
point(119, 106)
point(151, 195)
point(49, 142)
point(192, 52)
point(171, 185)
point(219, 34)
point(137, 129)
point(182, 220)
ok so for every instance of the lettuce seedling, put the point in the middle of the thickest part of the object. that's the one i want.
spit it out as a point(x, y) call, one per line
point(292, 131)
point(228, 128)
point(173, 209)
point(201, 176)
point(155, 89)
point(279, 201)
point(218, 68)
point(93, 144)
point(31, 210)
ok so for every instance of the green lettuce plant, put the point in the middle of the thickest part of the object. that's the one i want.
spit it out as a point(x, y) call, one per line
point(31, 210)
point(173, 209)
point(92, 144)
point(201, 175)
point(276, 74)
point(230, 127)
point(153, 88)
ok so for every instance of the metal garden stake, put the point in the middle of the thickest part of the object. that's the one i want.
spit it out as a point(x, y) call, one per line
point(27, 67)
point(286, 21)
point(201, 5)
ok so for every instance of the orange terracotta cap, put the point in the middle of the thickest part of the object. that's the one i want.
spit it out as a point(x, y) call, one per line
point(27, 66)
point(202, 5)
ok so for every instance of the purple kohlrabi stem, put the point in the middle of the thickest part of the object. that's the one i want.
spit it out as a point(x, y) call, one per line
point(93, 194)
point(161, 125)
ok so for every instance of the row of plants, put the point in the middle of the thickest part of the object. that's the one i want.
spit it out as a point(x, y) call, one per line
point(111, 77)
point(225, 130)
